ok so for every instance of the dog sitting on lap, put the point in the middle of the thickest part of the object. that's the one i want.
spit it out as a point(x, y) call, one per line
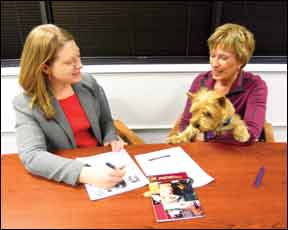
point(211, 111)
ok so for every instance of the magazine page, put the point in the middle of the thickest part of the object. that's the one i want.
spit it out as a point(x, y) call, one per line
point(133, 178)
point(173, 197)
point(173, 160)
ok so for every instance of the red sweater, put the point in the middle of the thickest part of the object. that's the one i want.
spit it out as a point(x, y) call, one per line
point(78, 121)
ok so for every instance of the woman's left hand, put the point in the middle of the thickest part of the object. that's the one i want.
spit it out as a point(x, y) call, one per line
point(116, 145)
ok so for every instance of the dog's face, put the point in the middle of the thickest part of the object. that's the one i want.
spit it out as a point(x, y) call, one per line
point(209, 110)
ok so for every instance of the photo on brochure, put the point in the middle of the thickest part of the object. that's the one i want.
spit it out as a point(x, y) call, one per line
point(173, 197)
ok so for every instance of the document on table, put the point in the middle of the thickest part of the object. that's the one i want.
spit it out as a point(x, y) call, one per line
point(173, 160)
point(133, 178)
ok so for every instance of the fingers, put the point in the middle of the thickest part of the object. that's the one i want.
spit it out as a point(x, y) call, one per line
point(116, 176)
point(121, 167)
point(117, 145)
point(114, 180)
point(118, 172)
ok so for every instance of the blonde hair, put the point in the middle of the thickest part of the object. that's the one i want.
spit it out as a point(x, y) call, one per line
point(235, 37)
point(40, 48)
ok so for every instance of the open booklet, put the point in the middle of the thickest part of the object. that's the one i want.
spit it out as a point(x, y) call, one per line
point(173, 197)
point(133, 178)
point(173, 160)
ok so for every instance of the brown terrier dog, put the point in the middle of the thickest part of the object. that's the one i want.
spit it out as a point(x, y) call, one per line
point(211, 111)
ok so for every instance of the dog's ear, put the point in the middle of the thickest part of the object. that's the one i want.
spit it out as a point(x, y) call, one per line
point(222, 101)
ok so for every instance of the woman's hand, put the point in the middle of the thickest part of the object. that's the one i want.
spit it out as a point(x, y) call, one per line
point(102, 176)
point(116, 145)
point(200, 137)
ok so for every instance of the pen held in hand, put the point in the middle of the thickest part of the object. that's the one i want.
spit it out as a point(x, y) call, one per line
point(110, 165)
point(113, 166)
point(120, 184)
point(259, 177)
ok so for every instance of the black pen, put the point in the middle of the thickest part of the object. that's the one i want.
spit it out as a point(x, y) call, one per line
point(156, 158)
point(122, 183)
point(110, 165)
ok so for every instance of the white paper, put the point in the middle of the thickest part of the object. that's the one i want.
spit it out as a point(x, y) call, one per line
point(134, 178)
point(173, 160)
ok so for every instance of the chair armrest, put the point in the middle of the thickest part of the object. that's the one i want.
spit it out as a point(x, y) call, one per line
point(126, 134)
point(268, 132)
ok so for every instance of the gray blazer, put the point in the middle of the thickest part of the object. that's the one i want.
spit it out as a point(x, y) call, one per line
point(36, 137)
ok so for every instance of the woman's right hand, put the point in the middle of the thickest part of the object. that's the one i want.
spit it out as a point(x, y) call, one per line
point(102, 176)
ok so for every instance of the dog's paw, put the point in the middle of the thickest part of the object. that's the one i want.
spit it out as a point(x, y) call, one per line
point(241, 134)
point(176, 139)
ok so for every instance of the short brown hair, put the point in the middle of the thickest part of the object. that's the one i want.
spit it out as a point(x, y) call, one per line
point(235, 37)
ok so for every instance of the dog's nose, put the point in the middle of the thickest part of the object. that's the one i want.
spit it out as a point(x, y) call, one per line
point(197, 125)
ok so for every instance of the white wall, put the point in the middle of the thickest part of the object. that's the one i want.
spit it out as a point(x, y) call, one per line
point(149, 98)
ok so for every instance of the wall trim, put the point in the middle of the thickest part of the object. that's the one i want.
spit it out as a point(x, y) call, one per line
point(156, 68)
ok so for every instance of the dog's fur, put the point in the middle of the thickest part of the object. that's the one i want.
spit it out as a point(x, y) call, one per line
point(211, 111)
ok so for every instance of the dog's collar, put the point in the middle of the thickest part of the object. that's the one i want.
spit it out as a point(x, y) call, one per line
point(227, 122)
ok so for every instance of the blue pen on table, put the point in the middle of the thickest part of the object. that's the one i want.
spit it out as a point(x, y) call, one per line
point(259, 177)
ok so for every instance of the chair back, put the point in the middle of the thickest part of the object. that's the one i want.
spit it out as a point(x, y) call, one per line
point(267, 134)
point(126, 134)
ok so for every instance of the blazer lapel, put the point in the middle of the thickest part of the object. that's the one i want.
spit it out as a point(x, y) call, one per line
point(60, 118)
point(90, 107)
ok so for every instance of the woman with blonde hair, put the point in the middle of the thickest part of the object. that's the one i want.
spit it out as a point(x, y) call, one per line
point(61, 108)
point(231, 47)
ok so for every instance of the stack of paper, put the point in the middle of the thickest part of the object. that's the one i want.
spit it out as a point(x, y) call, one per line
point(173, 160)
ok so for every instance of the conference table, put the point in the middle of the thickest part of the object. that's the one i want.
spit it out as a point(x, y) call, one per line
point(230, 201)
